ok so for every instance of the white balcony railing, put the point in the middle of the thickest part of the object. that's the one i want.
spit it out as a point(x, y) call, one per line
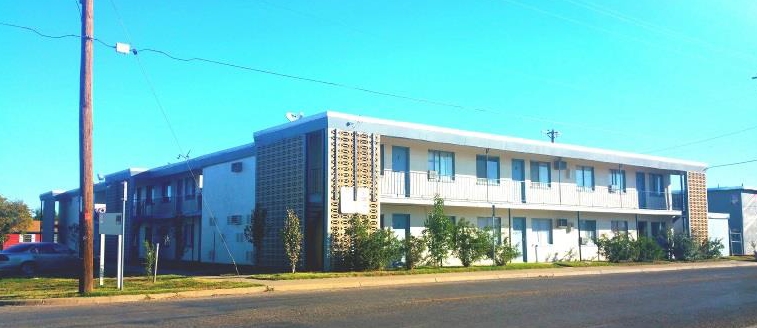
point(421, 185)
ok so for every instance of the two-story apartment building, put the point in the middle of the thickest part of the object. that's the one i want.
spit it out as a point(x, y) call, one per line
point(551, 200)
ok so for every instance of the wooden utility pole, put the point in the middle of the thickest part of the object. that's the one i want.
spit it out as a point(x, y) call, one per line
point(85, 149)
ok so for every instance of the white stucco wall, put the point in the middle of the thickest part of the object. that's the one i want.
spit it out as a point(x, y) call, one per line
point(226, 193)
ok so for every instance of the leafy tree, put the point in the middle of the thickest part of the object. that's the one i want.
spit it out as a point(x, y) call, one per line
point(15, 216)
point(470, 243)
point(505, 253)
point(255, 232)
point(414, 249)
point(438, 233)
point(149, 258)
point(292, 237)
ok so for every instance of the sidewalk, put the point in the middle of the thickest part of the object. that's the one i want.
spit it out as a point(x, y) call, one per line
point(305, 285)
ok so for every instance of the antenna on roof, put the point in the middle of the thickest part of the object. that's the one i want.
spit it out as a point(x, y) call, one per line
point(100, 177)
point(182, 156)
point(293, 116)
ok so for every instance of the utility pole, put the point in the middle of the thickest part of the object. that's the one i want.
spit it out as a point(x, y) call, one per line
point(85, 149)
point(552, 134)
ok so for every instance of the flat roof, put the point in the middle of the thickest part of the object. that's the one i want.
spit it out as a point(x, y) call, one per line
point(415, 131)
point(738, 188)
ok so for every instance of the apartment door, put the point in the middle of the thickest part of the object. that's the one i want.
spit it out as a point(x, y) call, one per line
point(519, 237)
point(519, 176)
point(641, 189)
point(401, 166)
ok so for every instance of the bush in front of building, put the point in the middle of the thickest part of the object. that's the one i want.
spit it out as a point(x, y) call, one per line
point(470, 243)
point(149, 258)
point(711, 248)
point(648, 250)
point(438, 233)
point(505, 253)
point(619, 248)
point(414, 249)
point(370, 250)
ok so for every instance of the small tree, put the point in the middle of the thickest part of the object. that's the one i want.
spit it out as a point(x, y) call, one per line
point(370, 250)
point(255, 232)
point(14, 217)
point(149, 258)
point(470, 243)
point(438, 233)
point(414, 249)
point(505, 253)
point(292, 237)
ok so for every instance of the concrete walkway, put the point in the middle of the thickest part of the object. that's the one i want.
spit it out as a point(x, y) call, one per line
point(304, 285)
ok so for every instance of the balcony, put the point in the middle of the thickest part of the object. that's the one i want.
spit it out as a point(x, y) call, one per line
point(167, 207)
point(460, 188)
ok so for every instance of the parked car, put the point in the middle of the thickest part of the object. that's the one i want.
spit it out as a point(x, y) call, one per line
point(32, 258)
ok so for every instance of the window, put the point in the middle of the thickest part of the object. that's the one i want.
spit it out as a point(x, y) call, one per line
point(658, 229)
point(617, 180)
point(641, 229)
point(236, 167)
point(619, 226)
point(588, 231)
point(166, 191)
point(541, 174)
point(234, 220)
point(487, 169)
point(27, 238)
point(441, 162)
point(150, 194)
point(585, 178)
point(486, 223)
point(241, 238)
point(190, 188)
point(542, 229)
point(657, 184)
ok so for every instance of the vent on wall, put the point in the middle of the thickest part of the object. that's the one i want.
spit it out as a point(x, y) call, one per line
point(236, 167)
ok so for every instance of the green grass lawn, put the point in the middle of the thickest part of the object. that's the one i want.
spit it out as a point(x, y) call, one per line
point(399, 272)
point(31, 288)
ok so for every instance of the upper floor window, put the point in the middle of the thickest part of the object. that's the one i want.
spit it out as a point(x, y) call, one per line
point(487, 169)
point(618, 180)
point(441, 162)
point(150, 192)
point(657, 184)
point(585, 177)
point(541, 173)
point(190, 188)
point(166, 191)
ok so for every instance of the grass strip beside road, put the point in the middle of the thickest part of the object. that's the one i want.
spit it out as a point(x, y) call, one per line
point(36, 288)
point(400, 272)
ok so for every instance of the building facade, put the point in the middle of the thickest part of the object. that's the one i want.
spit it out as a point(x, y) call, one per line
point(741, 205)
point(550, 200)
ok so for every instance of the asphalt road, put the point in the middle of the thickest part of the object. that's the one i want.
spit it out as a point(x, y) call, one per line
point(689, 298)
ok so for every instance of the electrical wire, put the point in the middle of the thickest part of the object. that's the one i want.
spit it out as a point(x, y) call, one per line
point(728, 134)
point(732, 164)
point(159, 104)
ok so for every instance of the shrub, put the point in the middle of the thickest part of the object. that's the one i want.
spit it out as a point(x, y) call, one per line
point(149, 258)
point(684, 248)
point(438, 233)
point(413, 248)
point(711, 248)
point(618, 248)
point(370, 250)
point(470, 243)
point(505, 253)
point(648, 250)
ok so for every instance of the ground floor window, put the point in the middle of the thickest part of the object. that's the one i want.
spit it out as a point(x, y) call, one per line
point(588, 231)
point(618, 226)
point(542, 229)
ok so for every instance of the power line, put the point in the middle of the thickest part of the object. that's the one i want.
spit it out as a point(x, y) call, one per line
point(63, 36)
point(732, 164)
point(702, 140)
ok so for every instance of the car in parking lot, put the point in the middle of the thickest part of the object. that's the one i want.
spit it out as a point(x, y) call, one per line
point(40, 257)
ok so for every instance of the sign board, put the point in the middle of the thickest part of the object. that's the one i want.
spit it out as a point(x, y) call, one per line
point(351, 202)
point(110, 223)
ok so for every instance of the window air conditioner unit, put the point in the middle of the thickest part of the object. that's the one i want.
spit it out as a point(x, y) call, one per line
point(236, 167)
point(433, 175)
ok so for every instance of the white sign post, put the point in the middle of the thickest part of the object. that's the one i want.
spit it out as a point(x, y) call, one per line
point(112, 224)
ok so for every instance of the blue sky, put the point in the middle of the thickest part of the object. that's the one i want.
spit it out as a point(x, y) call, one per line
point(635, 76)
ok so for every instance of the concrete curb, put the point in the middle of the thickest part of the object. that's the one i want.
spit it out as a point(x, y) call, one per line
point(379, 281)
point(134, 298)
